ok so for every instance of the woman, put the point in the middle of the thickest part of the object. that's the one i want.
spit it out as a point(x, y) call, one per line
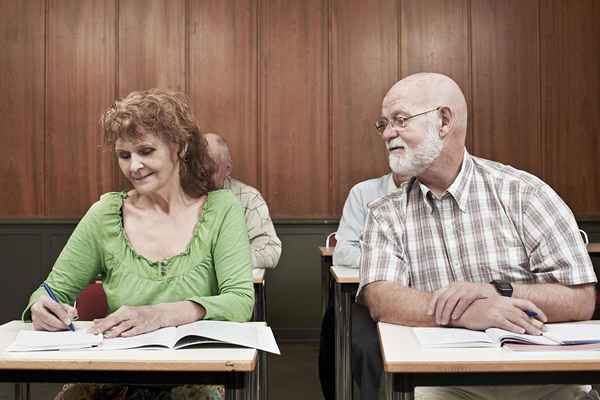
point(168, 251)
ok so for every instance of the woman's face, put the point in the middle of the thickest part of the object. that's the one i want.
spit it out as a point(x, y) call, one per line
point(148, 163)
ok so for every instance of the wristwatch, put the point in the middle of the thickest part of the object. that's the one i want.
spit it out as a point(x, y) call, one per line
point(503, 287)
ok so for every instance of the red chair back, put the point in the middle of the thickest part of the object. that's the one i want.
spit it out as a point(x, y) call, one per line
point(91, 303)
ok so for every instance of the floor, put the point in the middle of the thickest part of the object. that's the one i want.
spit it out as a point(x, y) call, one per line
point(292, 376)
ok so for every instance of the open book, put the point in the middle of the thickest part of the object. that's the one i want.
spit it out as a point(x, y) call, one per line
point(253, 335)
point(554, 335)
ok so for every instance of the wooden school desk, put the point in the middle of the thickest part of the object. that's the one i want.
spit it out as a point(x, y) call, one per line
point(345, 285)
point(232, 367)
point(260, 314)
point(406, 365)
point(326, 262)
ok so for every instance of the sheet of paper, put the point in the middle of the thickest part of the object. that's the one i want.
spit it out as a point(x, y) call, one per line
point(64, 340)
point(164, 337)
point(452, 338)
point(256, 336)
point(573, 333)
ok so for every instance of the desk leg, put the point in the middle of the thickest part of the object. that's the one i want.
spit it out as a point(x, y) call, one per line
point(343, 371)
point(325, 283)
point(397, 387)
point(242, 386)
point(22, 391)
point(262, 389)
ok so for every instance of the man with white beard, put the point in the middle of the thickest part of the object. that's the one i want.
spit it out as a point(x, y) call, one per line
point(467, 242)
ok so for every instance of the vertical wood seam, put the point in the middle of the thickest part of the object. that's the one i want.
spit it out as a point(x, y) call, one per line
point(44, 196)
point(470, 78)
point(332, 192)
point(541, 142)
point(260, 167)
point(115, 171)
point(399, 40)
point(187, 46)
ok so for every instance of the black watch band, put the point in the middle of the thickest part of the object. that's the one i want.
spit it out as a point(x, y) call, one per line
point(504, 288)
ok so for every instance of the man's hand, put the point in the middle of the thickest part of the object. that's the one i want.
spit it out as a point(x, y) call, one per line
point(451, 302)
point(129, 321)
point(503, 312)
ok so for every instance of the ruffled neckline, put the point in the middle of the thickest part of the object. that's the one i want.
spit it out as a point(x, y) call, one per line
point(166, 261)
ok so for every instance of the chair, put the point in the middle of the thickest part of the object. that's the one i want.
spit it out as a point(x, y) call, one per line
point(91, 303)
point(331, 240)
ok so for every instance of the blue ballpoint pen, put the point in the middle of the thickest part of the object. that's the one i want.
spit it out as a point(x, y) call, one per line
point(51, 294)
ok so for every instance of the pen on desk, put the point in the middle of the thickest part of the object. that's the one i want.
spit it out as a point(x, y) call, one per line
point(51, 294)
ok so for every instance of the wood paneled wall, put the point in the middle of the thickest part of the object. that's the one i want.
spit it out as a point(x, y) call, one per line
point(294, 86)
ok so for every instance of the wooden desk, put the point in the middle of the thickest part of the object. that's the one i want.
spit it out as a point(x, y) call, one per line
point(326, 262)
point(260, 314)
point(232, 367)
point(407, 365)
point(345, 285)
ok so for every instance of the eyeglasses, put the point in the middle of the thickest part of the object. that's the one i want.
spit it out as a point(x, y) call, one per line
point(382, 123)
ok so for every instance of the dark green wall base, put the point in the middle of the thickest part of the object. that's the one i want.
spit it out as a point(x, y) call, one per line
point(29, 249)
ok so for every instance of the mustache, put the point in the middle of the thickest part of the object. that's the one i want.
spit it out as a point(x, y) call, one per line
point(395, 143)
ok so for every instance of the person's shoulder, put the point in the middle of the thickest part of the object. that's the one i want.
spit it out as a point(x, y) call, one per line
point(237, 186)
point(507, 175)
point(369, 185)
point(221, 199)
point(110, 203)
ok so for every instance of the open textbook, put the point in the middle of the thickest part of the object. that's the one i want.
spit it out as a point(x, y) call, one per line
point(253, 335)
point(565, 334)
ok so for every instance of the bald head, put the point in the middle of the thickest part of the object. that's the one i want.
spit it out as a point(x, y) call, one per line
point(425, 91)
point(218, 149)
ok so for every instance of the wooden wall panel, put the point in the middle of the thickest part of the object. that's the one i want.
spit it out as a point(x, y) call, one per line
point(571, 101)
point(294, 108)
point(223, 77)
point(506, 82)
point(22, 108)
point(364, 50)
point(80, 85)
point(434, 37)
point(152, 45)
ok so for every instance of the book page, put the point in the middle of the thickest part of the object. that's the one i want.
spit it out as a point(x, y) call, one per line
point(503, 336)
point(164, 337)
point(573, 333)
point(245, 334)
point(452, 338)
point(64, 340)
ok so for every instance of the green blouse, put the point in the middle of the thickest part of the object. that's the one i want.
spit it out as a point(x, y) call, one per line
point(215, 269)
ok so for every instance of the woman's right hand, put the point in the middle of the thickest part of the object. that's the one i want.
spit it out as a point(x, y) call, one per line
point(48, 315)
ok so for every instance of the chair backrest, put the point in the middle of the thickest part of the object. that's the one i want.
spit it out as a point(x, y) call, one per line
point(584, 235)
point(331, 240)
point(91, 303)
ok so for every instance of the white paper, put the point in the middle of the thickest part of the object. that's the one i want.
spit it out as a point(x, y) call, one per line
point(64, 340)
point(452, 337)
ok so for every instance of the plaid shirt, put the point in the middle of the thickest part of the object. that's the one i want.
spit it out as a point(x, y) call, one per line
point(264, 243)
point(493, 222)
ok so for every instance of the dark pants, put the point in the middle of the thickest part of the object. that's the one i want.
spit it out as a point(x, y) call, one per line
point(367, 365)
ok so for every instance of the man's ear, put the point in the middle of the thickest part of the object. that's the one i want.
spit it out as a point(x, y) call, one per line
point(448, 120)
point(228, 169)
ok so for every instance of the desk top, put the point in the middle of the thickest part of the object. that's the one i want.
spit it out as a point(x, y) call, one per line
point(258, 275)
point(326, 251)
point(593, 248)
point(345, 274)
point(402, 353)
point(196, 360)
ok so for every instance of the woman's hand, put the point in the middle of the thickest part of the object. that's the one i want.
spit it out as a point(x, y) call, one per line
point(130, 321)
point(48, 315)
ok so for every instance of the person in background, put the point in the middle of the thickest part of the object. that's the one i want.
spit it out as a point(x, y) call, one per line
point(347, 254)
point(264, 243)
point(468, 242)
point(170, 251)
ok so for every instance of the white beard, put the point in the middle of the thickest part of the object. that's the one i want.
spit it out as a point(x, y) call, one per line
point(416, 160)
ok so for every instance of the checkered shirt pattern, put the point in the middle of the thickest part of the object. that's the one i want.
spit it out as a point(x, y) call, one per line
point(264, 243)
point(493, 222)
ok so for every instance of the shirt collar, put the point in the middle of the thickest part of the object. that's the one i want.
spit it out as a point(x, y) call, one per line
point(458, 190)
point(391, 185)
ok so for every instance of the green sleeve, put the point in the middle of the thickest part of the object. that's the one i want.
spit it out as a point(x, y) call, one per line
point(78, 263)
point(233, 267)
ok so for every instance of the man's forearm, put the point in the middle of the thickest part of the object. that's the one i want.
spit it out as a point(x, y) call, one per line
point(389, 302)
point(559, 302)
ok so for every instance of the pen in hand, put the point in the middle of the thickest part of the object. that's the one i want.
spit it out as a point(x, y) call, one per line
point(51, 294)
point(535, 319)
